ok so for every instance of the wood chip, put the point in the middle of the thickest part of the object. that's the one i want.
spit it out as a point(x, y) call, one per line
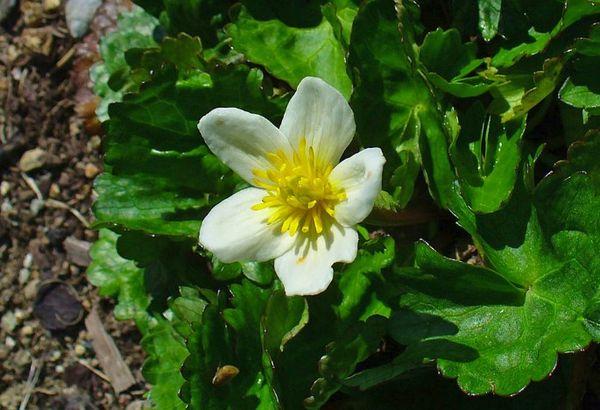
point(108, 355)
point(77, 251)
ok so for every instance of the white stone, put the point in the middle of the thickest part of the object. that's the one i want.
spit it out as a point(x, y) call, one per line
point(79, 13)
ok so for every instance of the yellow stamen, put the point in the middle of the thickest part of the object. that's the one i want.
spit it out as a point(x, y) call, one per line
point(299, 193)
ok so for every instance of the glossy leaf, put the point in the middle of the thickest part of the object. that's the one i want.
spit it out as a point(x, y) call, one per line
point(520, 93)
point(538, 38)
point(582, 88)
point(214, 344)
point(388, 96)
point(489, 17)
point(134, 30)
point(166, 189)
point(537, 243)
point(487, 157)
point(449, 62)
point(292, 53)
point(284, 317)
point(119, 278)
point(201, 18)
point(166, 353)
point(124, 280)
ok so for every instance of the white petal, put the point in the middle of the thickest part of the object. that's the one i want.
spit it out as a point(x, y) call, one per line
point(306, 269)
point(233, 231)
point(319, 113)
point(241, 139)
point(360, 176)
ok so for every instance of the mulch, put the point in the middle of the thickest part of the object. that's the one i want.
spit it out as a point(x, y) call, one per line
point(50, 152)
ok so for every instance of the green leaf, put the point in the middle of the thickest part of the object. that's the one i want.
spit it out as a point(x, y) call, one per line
point(230, 336)
point(487, 157)
point(259, 272)
point(360, 311)
point(164, 347)
point(118, 277)
point(444, 53)
point(346, 11)
point(543, 243)
point(284, 317)
point(519, 94)
point(225, 271)
point(449, 61)
point(166, 353)
point(423, 389)
point(188, 308)
point(183, 52)
point(487, 338)
point(160, 176)
point(146, 203)
point(343, 355)
point(388, 96)
point(537, 38)
point(462, 283)
point(292, 53)
point(333, 322)
point(393, 106)
point(590, 46)
point(577, 9)
point(508, 57)
point(489, 17)
point(358, 281)
point(201, 18)
point(134, 30)
point(582, 89)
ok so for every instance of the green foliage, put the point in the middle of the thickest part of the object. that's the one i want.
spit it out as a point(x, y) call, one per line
point(292, 53)
point(487, 157)
point(489, 17)
point(122, 278)
point(111, 76)
point(166, 190)
point(389, 96)
point(471, 107)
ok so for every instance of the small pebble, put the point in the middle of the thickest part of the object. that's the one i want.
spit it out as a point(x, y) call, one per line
point(50, 5)
point(30, 291)
point(55, 355)
point(24, 275)
point(36, 206)
point(54, 191)
point(26, 331)
point(4, 188)
point(86, 304)
point(8, 322)
point(27, 260)
point(20, 315)
point(79, 350)
point(91, 171)
point(6, 206)
point(10, 342)
point(78, 14)
point(33, 159)
point(95, 142)
point(59, 369)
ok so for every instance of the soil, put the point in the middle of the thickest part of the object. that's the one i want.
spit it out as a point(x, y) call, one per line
point(49, 155)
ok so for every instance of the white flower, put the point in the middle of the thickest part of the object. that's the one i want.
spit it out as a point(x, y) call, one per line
point(303, 206)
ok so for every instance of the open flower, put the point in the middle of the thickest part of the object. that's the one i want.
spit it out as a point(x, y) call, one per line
point(303, 206)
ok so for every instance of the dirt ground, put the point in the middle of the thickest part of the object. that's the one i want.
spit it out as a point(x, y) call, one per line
point(49, 156)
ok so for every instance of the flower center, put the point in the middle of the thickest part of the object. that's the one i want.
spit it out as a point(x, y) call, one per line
point(299, 193)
